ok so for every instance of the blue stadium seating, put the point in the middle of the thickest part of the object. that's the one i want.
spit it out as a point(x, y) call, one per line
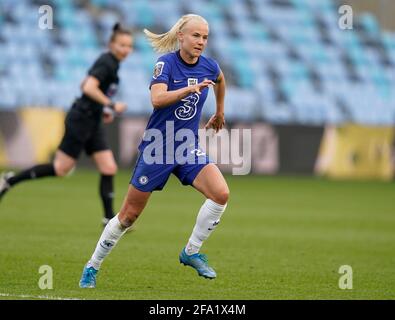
point(285, 61)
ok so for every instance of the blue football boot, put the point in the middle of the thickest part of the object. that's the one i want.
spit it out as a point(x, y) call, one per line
point(199, 262)
point(88, 278)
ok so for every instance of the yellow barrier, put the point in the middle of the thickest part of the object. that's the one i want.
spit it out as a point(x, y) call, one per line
point(3, 154)
point(356, 152)
point(45, 127)
point(30, 135)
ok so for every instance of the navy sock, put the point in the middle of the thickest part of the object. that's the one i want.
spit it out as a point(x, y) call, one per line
point(39, 171)
point(107, 195)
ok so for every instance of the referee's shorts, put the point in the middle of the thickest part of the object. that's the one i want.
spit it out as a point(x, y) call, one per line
point(82, 133)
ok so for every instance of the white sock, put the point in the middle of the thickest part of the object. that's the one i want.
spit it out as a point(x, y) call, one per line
point(208, 218)
point(109, 238)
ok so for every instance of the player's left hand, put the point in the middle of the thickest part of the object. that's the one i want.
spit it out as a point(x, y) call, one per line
point(216, 122)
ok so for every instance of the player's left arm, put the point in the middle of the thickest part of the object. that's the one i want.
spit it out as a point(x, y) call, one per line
point(217, 121)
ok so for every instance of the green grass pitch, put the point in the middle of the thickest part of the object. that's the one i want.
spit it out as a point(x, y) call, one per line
point(280, 238)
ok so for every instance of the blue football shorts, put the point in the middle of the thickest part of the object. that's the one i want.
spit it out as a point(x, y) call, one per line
point(151, 177)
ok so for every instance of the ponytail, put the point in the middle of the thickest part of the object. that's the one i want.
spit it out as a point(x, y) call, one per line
point(168, 41)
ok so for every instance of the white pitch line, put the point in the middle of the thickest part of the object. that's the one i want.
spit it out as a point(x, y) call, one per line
point(28, 296)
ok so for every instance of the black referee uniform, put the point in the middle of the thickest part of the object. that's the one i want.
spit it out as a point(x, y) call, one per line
point(83, 124)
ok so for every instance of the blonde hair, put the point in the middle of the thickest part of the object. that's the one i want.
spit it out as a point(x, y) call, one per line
point(168, 41)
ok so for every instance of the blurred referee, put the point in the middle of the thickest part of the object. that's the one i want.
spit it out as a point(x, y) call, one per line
point(84, 124)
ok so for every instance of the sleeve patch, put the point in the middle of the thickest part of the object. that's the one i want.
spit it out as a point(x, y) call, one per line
point(158, 69)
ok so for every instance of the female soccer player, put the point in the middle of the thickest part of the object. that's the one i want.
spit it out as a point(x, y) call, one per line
point(179, 89)
point(83, 124)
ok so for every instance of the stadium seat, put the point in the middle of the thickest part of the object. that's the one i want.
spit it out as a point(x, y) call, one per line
point(282, 65)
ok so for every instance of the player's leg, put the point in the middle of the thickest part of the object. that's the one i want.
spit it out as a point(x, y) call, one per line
point(61, 165)
point(145, 179)
point(133, 204)
point(107, 167)
point(212, 184)
point(132, 207)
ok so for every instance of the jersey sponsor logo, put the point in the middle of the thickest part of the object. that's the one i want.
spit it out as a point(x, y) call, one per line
point(143, 180)
point(188, 110)
point(192, 82)
point(158, 69)
point(198, 152)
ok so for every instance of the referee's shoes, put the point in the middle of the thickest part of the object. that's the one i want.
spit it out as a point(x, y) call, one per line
point(4, 185)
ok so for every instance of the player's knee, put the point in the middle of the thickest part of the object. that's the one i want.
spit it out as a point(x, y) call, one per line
point(221, 197)
point(109, 170)
point(62, 171)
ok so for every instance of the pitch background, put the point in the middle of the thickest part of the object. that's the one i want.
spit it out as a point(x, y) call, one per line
point(280, 238)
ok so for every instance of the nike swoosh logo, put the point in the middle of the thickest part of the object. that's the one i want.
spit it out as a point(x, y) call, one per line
point(177, 81)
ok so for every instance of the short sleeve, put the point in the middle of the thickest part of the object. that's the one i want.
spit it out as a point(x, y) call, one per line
point(100, 70)
point(217, 71)
point(161, 73)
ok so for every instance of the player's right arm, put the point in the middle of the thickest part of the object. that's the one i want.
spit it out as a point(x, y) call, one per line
point(162, 98)
point(90, 87)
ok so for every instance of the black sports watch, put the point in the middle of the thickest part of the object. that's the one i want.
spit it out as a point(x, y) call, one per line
point(111, 106)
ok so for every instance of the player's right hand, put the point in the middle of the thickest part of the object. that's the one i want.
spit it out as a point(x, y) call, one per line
point(108, 117)
point(204, 84)
point(120, 107)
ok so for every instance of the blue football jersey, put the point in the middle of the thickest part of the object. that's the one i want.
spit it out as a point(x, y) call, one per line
point(177, 74)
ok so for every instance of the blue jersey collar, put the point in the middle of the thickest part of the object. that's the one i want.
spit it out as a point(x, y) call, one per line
point(184, 62)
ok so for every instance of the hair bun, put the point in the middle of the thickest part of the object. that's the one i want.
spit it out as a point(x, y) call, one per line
point(116, 27)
